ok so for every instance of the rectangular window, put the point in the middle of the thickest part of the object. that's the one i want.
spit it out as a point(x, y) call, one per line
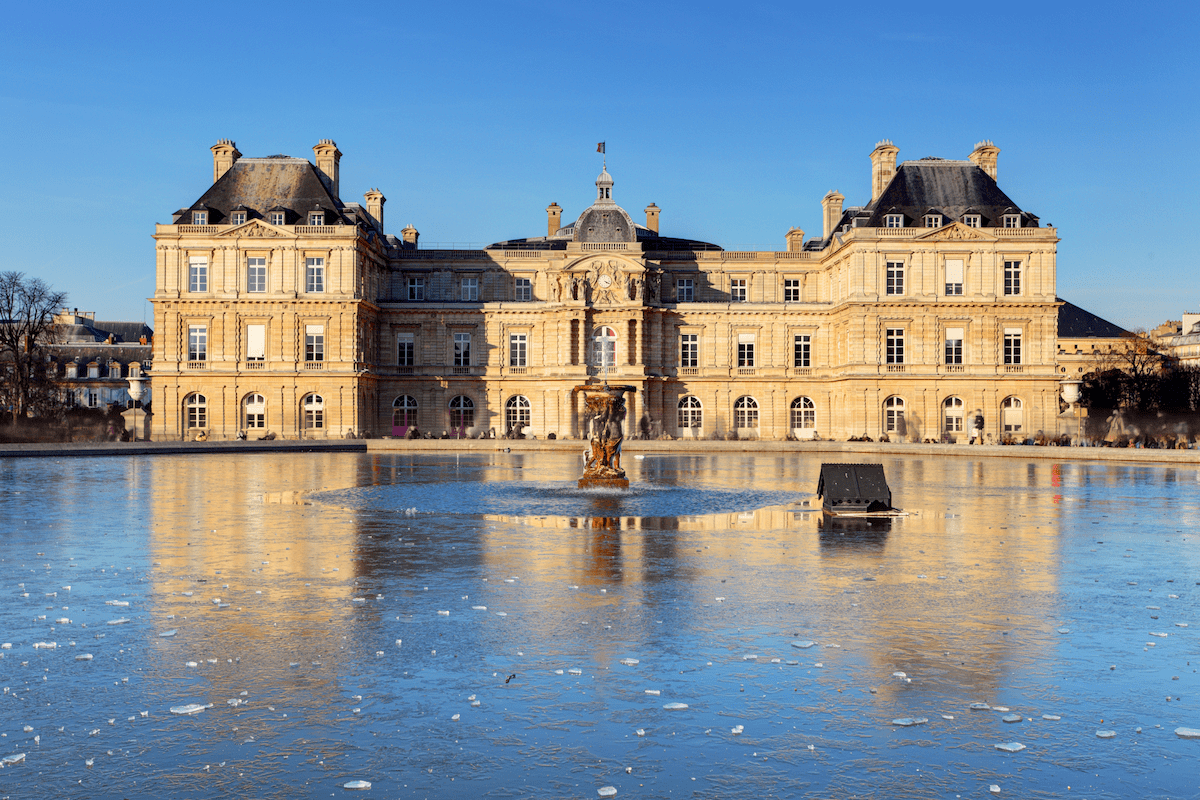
point(518, 345)
point(895, 346)
point(933, 220)
point(470, 289)
point(277, 217)
point(954, 276)
point(256, 274)
point(745, 349)
point(256, 342)
point(199, 217)
point(197, 274)
point(93, 370)
point(405, 350)
point(802, 356)
point(197, 342)
point(314, 342)
point(1012, 220)
point(895, 277)
point(791, 291)
point(462, 349)
point(1012, 277)
point(737, 290)
point(689, 350)
point(954, 345)
point(238, 218)
point(314, 280)
point(1012, 345)
point(416, 288)
point(522, 290)
point(893, 221)
point(685, 290)
point(971, 220)
point(316, 218)
point(114, 370)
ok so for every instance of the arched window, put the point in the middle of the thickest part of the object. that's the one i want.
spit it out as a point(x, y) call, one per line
point(804, 413)
point(255, 412)
point(516, 414)
point(404, 414)
point(313, 408)
point(952, 415)
point(691, 414)
point(462, 414)
point(745, 412)
point(893, 415)
point(604, 347)
point(196, 411)
point(1011, 415)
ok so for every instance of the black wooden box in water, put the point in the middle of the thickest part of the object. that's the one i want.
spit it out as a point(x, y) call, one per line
point(854, 488)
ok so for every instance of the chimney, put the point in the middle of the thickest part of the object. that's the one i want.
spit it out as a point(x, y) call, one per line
point(327, 158)
point(831, 207)
point(795, 240)
point(553, 218)
point(375, 200)
point(409, 235)
point(883, 167)
point(224, 152)
point(985, 156)
point(652, 217)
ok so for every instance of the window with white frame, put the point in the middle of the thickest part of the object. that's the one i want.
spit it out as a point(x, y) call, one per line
point(745, 350)
point(313, 409)
point(93, 399)
point(114, 370)
point(893, 221)
point(277, 217)
point(737, 290)
point(1011, 415)
point(237, 218)
point(72, 370)
point(971, 220)
point(745, 412)
point(462, 349)
point(954, 276)
point(197, 342)
point(893, 415)
point(256, 274)
point(404, 412)
point(691, 414)
point(470, 289)
point(314, 343)
point(462, 413)
point(1012, 220)
point(316, 218)
point(518, 349)
point(93, 370)
point(952, 415)
point(314, 280)
point(522, 290)
point(199, 217)
point(197, 274)
point(256, 342)
point(894, 346)
point(894, 279)
point(604, 347)
point(689, 350)
point(1012, 277)
point(1012, 345)
point(135, 370)
point(254, 412)
point(791, 290)
point(416, 288)
point(195, 408)
point(517, 414)
point(685, 290)
point(933, 220)
point(405, 349)
point(954, 346)
point(802, 350)
point(804, 413)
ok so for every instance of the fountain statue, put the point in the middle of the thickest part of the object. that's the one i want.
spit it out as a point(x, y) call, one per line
point(605, 407)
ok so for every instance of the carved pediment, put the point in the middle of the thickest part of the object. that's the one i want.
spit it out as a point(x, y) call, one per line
point(255, 229)
point(603, 280)
point(957, 232)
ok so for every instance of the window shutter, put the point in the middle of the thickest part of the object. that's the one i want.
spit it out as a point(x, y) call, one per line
point(954, 271)
point(256, 341)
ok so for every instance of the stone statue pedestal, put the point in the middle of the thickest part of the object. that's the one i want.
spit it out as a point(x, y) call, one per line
point(606, 418)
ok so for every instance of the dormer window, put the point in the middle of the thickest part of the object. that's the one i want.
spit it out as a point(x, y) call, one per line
point(276, 218)
point(971, 220)
point(199, 217)
point(933, 220)
point(1012, 220)
point(237, 218)
point(893, 221)
point(72, 370)
point(316, 218)
point(114, 370)
point(93, 370)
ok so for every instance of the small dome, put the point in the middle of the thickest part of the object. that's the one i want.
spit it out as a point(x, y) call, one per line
point(604, 178)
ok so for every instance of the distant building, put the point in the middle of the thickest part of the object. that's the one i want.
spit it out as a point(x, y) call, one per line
point(282, 308)
point(1184, 345)
point(1084, 339)
point(95, 360)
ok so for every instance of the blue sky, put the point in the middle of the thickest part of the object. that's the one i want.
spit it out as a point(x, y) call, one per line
point(734, 118)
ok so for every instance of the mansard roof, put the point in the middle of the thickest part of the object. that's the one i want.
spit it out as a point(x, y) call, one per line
point(266, 184)
point(949, 187)
point(1075, 323)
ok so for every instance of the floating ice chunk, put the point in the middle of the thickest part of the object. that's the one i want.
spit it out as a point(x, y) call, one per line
point(65, 621)
point(122, 602)
point(947, 716)
point(654, 692)
point(1000, 708)
point(558, 672)
point(6, 646)
point(501, 614)
point(1173, 596)
point(194, 664)
point(675, 706)
point(574, 671)
point(1064, 630)
point(171, 632)
point(27, 729)
point(443, 613)
point(84, 657)
point(190, 708)
point(1011, 747)
point(479, 608)
point(234, 701)
point(776, 660)
point(45, 645)
point(120, 621)
point(356, 785)
point(15, 758)
point(980, 707)
point(907, 722)
point(803, 644)
point(899, 675)
point(1181, 624)
point(607, 791)
point(1051, 717)
point(994, 789)
point(751, 657)
point(1105, 734)
point(736, 730)
point(455, 718)
point(475, 703)
point(1188, 733)
point(1160, 635)
point(1011, 718)
point(211, 660)
point(471, 697)
point(720, 599)
point(1154, 608)
point(87, 762)
point(359, 600)
point(642, 732)
point(630, 662)
point(398, 642)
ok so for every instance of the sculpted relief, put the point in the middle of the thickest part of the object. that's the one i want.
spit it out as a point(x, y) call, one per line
point(605, 282)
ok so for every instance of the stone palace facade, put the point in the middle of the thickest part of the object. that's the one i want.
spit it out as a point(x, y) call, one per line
point(280, 308)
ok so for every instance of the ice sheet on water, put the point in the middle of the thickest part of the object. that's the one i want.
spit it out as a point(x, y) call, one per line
point(1105, 734)
point(906, 722)
point(736, 730)
point(1064, 630)
point(980, 707)
point(1051, 717)
point(655, 692)
point(899, 675)
point(675, 706)
point(119, 602)
point(1160, 635)
point(356, 785)
point(1188, 733)
point(190, 708)
point(84, 657)
point(994, 789)
point(1011, 747)
point(45, 645)
point(15, 758)
point(120, 621)
point(171, 632)
point(1011, 718)
point(62, 621)
point(607, 791)
point(630, 662)
point(803, 644)
point(640, 732)
point(479, 608)
point(443, 613)
point(574, 671)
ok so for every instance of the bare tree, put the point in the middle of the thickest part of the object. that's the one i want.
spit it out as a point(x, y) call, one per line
point(1140, 365)
point(27, 308)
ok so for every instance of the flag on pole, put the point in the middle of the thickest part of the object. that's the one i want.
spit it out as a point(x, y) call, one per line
point(599, 147)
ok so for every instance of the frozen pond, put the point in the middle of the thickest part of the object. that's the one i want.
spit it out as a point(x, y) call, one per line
point(474, 626)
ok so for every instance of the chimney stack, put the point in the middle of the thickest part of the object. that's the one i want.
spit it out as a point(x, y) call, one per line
point(224, 152)
point(795, 240)
point(883, 167)
point(327, 157)
point(375, 200)
point(985, 156)
point(553, 218)
point(652, 217)
point(410, 235)
point(831, 206)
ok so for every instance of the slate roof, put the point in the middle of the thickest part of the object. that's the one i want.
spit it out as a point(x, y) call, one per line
point(952, 188)
point(1075, 323)
point(122, 332)
point(265, 184)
